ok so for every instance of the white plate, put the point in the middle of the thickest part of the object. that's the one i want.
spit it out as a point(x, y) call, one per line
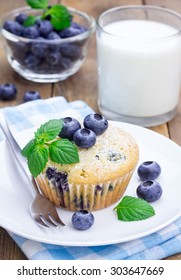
point(15, 197)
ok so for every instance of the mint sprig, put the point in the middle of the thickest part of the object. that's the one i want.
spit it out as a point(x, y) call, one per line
point(30, 21)
point(46, 145)
point(134, 209)
point(58, 14)
point(37, 4)
point(62, 152)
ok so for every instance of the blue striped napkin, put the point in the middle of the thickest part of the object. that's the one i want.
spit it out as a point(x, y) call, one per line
point(156, 246)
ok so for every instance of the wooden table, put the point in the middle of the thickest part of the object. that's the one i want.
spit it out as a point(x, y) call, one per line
point(82, 85)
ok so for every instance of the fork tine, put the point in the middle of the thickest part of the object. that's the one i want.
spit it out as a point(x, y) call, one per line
point(57, 222)
point(47, 221)
point(55, 217)
point(39, 221)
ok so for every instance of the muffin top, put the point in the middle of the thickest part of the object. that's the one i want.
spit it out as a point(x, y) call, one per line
point(114, 154)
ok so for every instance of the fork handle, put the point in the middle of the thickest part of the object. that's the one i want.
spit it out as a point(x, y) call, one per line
point(15, 148)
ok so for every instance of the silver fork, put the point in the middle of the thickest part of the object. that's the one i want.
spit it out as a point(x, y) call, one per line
point(42, 210)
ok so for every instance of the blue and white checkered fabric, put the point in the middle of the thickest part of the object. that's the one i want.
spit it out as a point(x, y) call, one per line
point(156, 246)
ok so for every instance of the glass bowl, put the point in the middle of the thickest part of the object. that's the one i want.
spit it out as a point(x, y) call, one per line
point(47, 68)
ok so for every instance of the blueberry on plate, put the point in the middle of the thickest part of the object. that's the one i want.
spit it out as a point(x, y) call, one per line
point(31, 95)
point(84, 138)
point(82, 219)
point(13, 27)
point(149, 170)
point(7, 91)
point(70, 126)
point(149, 191)
point(96, 123)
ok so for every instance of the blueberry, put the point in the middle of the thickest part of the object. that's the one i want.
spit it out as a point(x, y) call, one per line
point(44, 27)
point(21, 18)
point(82, 219)
point(31, 60)
point(149, 170)
point(78, 26)
point(31, 95)
point(84, 138)
point(70, 32)
point(13, 27)
point(70, 50)
point(96, 122)
point(53, 36)
point(31, 32)
point(54, 58)
point(7, 91)
point(50, 173)
point(19, 50)
point(61, 181)
point(70, 126)
point(149, 191)
point(39, 49)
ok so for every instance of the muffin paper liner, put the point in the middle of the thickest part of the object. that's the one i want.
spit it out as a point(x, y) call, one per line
point(80, 196)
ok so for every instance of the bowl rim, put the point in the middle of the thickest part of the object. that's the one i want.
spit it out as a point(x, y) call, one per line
point(15, 38)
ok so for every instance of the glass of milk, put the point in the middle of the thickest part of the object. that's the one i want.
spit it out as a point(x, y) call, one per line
point(139, 64)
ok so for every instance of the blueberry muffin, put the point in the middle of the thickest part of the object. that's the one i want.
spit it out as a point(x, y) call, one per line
point(100, 177)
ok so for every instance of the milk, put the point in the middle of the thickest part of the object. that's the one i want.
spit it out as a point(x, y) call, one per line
point(139, 69)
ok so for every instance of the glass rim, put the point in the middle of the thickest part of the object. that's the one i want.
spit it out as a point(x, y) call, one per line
point(10, 36)
point(139, 7)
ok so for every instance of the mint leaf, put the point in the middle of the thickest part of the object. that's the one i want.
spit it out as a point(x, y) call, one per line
point(37, 160)
point(37, 4)
point(49, 130)
point(59, 16)
point(134, 209)
point(46, 145)
point(63, 151)
point(28, 149)
point(29, 21)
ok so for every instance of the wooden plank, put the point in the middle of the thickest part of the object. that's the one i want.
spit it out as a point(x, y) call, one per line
point(175, 126)
point(170, 4)
point(8, 248)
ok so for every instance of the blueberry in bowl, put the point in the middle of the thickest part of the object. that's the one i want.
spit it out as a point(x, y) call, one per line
point(42, 49)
